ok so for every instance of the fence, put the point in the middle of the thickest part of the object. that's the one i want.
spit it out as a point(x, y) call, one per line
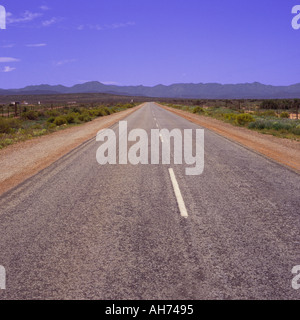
point(15, 111)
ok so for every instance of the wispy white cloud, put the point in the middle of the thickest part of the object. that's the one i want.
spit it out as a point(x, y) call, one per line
point(36, 45)
point(44, 8)
point(51, 21)
point(27, 16)
point(8, 69)
point(8, 59)
point(63, 62)
point(121, 25)
point(106, 27)
point(11, 45)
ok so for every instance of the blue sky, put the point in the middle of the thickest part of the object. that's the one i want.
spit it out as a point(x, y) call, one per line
point(148, 42)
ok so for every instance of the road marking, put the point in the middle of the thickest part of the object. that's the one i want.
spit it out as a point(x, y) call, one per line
point(178, 195)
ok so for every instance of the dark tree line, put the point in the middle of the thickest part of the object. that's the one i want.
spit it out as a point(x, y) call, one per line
point(281, 104)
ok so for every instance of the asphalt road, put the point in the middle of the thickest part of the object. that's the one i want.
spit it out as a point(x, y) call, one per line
point(78, 230)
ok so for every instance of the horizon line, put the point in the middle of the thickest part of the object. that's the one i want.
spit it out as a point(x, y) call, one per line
point(149, 86)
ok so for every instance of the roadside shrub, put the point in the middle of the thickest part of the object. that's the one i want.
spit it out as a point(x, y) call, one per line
point(21, 131)
point(70, 118)
point(59, 121)
point(198, 110)
point(51, 126)
point(6, 125)
point(41, 114)
point(244, 118)
point(100, 113)
point(82, 110)
point(37, 126)
point(108, 111)
point(75, 110)
point(104, 112)
point(52, 113)
point(296, 130)
point(39, 133)
point(230, 116)
point(85, 117)
point(285, 115)
point(7, 142)
point(278, 125)
point(281, 126)
point(30, 115)
point(268, 113)
point(51, 120)
point(92, 113)
point(260, 125)
point(128, 105)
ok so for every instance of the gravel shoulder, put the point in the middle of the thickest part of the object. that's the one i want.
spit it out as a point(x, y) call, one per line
point(23, 160)
point(283, 151)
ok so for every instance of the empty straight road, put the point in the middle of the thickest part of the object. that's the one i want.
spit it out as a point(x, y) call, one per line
point(79, 230)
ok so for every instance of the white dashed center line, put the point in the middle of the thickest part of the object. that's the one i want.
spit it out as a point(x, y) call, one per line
point(178, 195)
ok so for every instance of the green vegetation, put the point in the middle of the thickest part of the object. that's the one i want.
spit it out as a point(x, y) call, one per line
point(285, 115)
point(35, 123)
point(244, 119)
point(198, 110)
point(260, 118)
point(282, 126)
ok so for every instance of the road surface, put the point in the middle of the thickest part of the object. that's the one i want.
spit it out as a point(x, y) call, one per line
point(78, 230)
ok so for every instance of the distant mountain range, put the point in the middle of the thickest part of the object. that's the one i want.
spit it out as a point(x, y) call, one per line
point(181, 90)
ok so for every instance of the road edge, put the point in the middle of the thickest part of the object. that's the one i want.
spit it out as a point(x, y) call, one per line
point(188, 116)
